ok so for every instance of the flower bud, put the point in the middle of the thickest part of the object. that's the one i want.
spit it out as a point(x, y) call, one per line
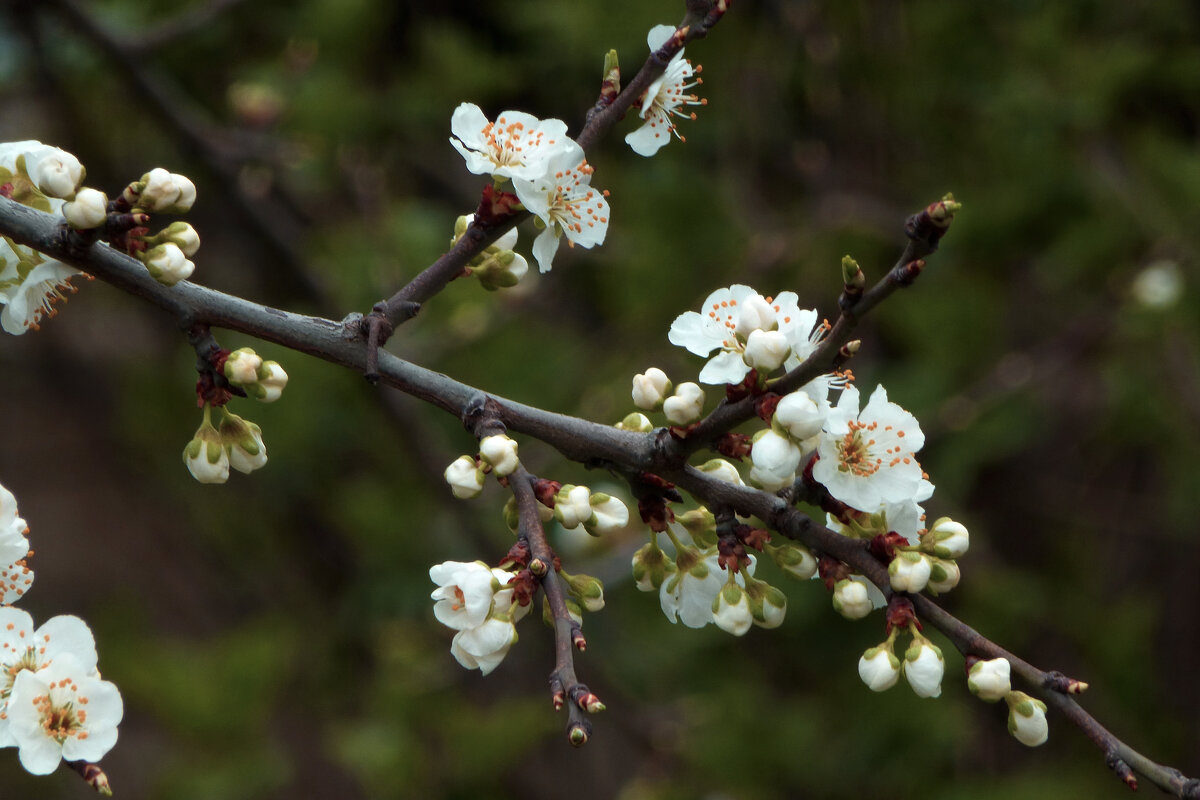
point(722, 470)
point(989, 680)
point(271, 382)
point(850, 599)
point(768, 604)
point(572, 505)
point(943, 576)
point(163, 191)
point(167, 264)
point(775, 460)
point(465, 477)
point(241, 366)
point(731, 610)
point(247, 452)
point(766, 350)
point(909, 571)
point(182, 235)
point(651, 567)
point(88, 209)
point(756, 314)
point(924, 668)
point(608, 514)
point(587, 590)
point(879, 668)
point(1027, 719)
point(799, 415)
point(686, 405)
point(56, 172)
point(946, 539)
point(636, 422)
point(500, 452)
point(205, 455)
point(502, 269)
point(701, 525)
point(794, 559)
point(650, 389)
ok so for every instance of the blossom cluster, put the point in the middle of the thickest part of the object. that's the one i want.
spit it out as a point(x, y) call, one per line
point(477, 602)
point(548, 172)
point(54, 706)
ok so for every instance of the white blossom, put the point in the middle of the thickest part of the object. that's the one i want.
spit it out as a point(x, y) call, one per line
point(731, 610)
point(30, 286)
point(167, 264)
point(722, 470)
point(868, 458)
point(484, 647)
point(775, 461)
point(650, 389)
point(1027, 719)
point(909, 571)
point(725, 321)
point(500, 452)
point(464, 594)
point(946, 539)
point(166, 192)
point(63, 711)
point(516, 145)
point(850, 599)
point(685, 406)
point(879, 668)
point(990, 680)
point(566, 203)
point(465, 477)
point(88, 209)
point(800, 415)
point(924, 668)
point(271, 382)
point(242, 365)
point(944, 575)
point(664, 98)
point(608, 514)
point(572, 506)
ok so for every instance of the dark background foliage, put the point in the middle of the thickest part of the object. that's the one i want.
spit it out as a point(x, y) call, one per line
point(273, 637)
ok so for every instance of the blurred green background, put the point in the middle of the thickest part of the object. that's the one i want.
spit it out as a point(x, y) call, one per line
point(274, 637)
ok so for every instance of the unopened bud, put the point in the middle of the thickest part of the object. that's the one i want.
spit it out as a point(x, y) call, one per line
point(87, 210)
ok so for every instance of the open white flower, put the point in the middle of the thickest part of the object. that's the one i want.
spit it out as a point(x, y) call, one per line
point(63, 711)
point(464, 594)
point(23, 648)
point(484, 647)
point(516, 145)
point(664, 98)
point(30, 286)
point(725, 322)
point(13, 544)
point(688, 595)
point(564, 200)
point(55, 172)
point(867, 458)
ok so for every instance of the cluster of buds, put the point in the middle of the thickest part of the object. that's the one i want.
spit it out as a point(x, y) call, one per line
point(229, 442)
point(478, 603)
point(498, 266)
point(262, 380)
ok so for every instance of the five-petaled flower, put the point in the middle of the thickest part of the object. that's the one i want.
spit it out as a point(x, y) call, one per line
point(867, 458)
point(564, 200)
point(664, 98)
point(516, 145)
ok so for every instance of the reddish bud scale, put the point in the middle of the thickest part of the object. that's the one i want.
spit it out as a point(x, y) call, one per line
point(6, 191)
point(969, 661)
point(495, 206)
point(753, 537)
point(884, 545)
point(765, 406)
point(578, 640)
point(734, 445)
point(905, 275)
point(544, 490)
point(523, 586)
point(749, 386)
point(929, 225)
point(831, 571)
point(656, 513)
point(209, 392)
point(900, 613)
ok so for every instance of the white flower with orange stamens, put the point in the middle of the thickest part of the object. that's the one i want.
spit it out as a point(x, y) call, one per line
point(62, 712)
point(868, 458)
point(516, 145)
point(665, 98)
point(30, 285)
point(725, 322)
point(565, 202)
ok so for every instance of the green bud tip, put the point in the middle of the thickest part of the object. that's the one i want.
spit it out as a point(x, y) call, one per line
point(850, 269)
point(577, 736)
